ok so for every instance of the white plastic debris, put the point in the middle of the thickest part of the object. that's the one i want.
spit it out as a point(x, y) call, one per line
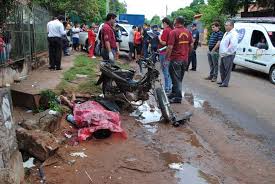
point(29, 111)
point(176, 166)
point(81, 76)
point(78, 154)
point(51, 112)
point(29, 163)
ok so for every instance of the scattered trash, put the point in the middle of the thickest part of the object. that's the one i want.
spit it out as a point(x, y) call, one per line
point(70, 119)
point(71, 162)
point(176, 166)
point(8, 85)
point(29, 111)
point(81, 76)
point(29, 163)
point(51, 112)
point(89, 176)
point(78, 154)
point(67, 135)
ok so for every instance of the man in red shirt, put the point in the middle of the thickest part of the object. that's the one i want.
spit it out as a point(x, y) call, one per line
point(179, 46)
point(108, 38)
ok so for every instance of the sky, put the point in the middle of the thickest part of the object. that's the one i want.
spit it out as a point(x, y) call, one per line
point(154, 7)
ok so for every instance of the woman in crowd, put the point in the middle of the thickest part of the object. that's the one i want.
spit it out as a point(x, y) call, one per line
point(91, 39)
point(138, 42)
point(75, 36)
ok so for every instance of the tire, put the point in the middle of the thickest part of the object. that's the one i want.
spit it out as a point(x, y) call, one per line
point(272, 75)
point(163, 104)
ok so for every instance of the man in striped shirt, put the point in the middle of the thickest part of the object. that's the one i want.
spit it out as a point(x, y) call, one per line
point(213, 53)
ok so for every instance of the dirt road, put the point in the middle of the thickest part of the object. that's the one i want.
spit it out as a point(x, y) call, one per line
point(212, 148)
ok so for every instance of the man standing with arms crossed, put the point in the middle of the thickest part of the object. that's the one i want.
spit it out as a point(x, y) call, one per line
point(213, 53)
point(108, 38)
point(179, 46)
point(228, 48)
point(55, 31)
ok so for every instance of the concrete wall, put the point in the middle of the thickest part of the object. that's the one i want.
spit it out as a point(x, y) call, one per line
point(11, 164)
point(13, 72)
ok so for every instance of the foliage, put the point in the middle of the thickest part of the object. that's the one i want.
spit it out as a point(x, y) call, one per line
point(186, 13)
point(213, 12)
point(87, 10)
point(48, 101)
point(84, 66)
point(155, 20)
point(5, 9)
point(117, 7)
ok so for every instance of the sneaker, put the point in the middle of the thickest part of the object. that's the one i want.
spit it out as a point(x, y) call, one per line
point(208, 78)
point(214, 79)
point(58, 69)
point(94, 57)
point(219, 83)
point(175, 100)
point(193, 69)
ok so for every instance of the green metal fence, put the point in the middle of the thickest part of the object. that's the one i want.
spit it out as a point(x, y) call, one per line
point(25, 33)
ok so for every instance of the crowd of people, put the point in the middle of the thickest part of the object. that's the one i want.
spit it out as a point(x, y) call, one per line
point(180, 42)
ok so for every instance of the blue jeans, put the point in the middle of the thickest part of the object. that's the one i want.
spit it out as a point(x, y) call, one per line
point(165, 71)
point(177, 69)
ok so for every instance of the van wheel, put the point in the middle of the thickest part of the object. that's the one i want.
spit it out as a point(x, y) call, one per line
point(272, 75)
point(233, 67)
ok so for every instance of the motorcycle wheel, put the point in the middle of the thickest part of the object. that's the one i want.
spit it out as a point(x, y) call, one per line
point(106, 86)
point(163, 104)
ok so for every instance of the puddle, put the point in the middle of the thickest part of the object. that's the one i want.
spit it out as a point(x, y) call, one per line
point(186, 173)
point(196, 101)
point(147, 115)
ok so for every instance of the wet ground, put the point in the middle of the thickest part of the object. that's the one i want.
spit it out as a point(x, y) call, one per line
point(210, 149)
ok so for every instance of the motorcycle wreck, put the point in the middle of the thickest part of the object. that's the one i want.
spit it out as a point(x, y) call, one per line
point(118, 85)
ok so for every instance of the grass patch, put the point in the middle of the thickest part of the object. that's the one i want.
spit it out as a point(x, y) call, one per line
point(83, 66)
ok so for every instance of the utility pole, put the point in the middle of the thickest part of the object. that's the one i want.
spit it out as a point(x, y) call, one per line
point(107, 6)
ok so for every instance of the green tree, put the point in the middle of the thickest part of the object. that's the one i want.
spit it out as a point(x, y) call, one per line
point(186, 13)
point(5, 9)
point(118, 7)
point(155, 20)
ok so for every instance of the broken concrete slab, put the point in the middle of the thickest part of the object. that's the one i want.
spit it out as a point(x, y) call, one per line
point(45, 121)
point(40, 144)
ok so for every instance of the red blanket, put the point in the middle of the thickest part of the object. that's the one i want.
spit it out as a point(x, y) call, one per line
point(91, 116)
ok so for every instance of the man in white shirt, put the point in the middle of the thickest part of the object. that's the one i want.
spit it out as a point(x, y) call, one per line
point(76, 30)
point(55, 30)
point(228, 48)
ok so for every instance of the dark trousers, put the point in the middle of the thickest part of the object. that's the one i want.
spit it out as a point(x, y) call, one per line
point(132, 50)
point(145, 49)
point(226, 68)
point(193, 60)
point(55, 52)
point(176, 70)
point(105, 55)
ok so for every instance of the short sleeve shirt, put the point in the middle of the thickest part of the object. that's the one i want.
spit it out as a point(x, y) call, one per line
point(214, 38)
point(107, 34)
point(181, 39)
point(164, 37)
point(196, 37)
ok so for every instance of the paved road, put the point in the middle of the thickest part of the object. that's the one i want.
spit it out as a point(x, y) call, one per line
point(249, 101)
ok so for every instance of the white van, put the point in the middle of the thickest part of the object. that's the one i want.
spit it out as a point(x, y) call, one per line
point(124, 31)
point(256, 49)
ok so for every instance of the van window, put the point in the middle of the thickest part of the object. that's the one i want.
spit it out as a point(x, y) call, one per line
point(258, 40)
point(272, 37)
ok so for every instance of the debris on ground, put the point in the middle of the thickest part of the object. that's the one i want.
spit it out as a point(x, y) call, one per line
point(40, 144)
point(78, 154)
point(29, 163)
point(48, 120)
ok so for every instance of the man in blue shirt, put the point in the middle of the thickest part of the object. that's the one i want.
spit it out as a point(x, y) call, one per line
point(213, 53)
point(193, 55)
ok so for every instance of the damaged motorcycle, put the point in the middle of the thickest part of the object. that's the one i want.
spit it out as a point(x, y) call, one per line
point(119, 85)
